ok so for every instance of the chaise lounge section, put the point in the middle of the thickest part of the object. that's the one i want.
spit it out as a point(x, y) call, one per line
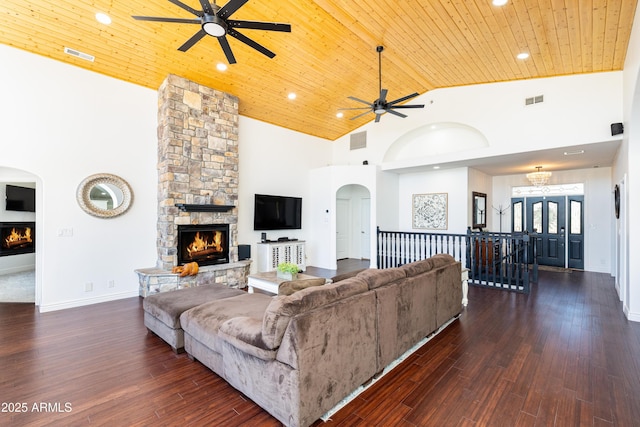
point(299, 355)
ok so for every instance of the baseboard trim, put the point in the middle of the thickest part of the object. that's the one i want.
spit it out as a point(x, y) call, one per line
point(86, 301)
point(631, 316)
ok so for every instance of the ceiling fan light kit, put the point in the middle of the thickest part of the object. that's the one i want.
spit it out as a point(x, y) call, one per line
point(214, 21)
point(381, 105)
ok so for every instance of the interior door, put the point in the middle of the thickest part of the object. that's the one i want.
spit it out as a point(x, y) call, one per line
point(365, 226)
point(547, 216)
point(342, 228)
point(575, 238)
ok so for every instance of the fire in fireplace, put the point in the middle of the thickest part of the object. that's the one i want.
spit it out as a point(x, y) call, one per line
point(17, 238)
point(206, 244)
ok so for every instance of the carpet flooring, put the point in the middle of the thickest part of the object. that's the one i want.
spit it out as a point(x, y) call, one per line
point(18, 287)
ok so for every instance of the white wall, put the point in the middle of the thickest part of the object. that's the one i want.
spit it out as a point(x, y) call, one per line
point(274, 160)
point(453, 182)
point(325, 183)
point(626, 172)
point(576, 110)
point(62, 124)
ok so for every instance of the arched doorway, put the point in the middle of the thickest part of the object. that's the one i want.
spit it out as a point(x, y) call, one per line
point(17, 226)
point(353, 222)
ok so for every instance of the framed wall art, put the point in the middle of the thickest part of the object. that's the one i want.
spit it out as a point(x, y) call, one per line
point(430, 211)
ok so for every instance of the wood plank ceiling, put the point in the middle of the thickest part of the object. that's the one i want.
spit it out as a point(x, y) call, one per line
point(330, 53)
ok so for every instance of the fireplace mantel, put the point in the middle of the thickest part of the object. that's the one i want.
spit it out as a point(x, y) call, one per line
point(203, 208)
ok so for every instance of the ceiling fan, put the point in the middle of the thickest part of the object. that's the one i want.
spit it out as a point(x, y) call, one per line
point(381, 105)
point(214, 21)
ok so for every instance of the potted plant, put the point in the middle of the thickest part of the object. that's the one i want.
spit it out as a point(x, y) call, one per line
point(287, 270)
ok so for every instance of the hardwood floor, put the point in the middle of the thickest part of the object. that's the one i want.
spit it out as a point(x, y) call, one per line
point(563, 355)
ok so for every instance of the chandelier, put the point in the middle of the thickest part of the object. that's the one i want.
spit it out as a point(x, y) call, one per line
point(538, 178)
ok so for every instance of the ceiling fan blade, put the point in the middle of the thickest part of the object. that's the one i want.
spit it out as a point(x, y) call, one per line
point(206, 7)
point(228, 9)
point(224, 44)
point(383, 95)
point(254, 25)
point(193, 40)
point(360, 100)
point(186, 7)
point(246, 40)
point(378, 117)
point(404, 98)
point(407, 106)
point(160, 19)
point(360, 115)
point(395, 113)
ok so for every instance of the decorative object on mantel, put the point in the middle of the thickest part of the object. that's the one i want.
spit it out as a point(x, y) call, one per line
point(203, 208)
point(430, 211)
point(287, 271)
point(538, 178)
point(189, 269)
point(104, 195)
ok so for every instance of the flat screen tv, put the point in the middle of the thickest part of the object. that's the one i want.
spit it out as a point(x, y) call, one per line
point(277, 213)
point(20, 199)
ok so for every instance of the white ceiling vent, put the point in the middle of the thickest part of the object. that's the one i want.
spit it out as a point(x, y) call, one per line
point(79, 54)
point(358, 140)
point(534, 100)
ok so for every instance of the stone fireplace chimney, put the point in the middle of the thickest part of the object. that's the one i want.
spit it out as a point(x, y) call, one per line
point(197, 161)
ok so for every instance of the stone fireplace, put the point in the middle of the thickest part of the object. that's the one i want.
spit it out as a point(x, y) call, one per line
point(197, 182)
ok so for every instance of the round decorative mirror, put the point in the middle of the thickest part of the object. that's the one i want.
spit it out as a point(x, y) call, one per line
point(104, 195)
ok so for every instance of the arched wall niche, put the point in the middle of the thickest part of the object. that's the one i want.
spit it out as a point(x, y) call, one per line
point(435, 139)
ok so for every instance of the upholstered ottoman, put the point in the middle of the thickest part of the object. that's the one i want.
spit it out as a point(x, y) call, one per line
point(162, 311)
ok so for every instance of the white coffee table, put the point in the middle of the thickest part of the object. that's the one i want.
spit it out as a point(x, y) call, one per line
point(269, 281)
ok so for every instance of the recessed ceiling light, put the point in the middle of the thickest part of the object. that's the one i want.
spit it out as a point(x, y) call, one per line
point(499, 2)
point(221, 67)
point(340, 115)
point(523, 55)
point(103, 18)
point(291, 95)
point(573, 153)
point(436, 167)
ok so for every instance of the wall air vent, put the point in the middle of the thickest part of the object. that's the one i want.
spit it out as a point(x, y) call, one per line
point(534, 100)
point(358, 140)
point(79, 54)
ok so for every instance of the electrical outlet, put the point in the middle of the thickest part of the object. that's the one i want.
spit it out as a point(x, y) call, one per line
point(112, 283)
point(88, 287)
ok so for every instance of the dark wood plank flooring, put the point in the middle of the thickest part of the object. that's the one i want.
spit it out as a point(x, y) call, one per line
point(562, 356)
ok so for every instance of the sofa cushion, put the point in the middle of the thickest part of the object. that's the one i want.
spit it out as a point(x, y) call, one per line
point(168, 306)
point(291, 286)
point(343, 276)
point(245, 334)
point(439, 260)
point(203, 322)
point(376, 278)
point(417, 267)
point(283, 308)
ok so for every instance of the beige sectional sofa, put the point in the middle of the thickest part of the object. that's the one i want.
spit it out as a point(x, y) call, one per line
point(297, 356)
